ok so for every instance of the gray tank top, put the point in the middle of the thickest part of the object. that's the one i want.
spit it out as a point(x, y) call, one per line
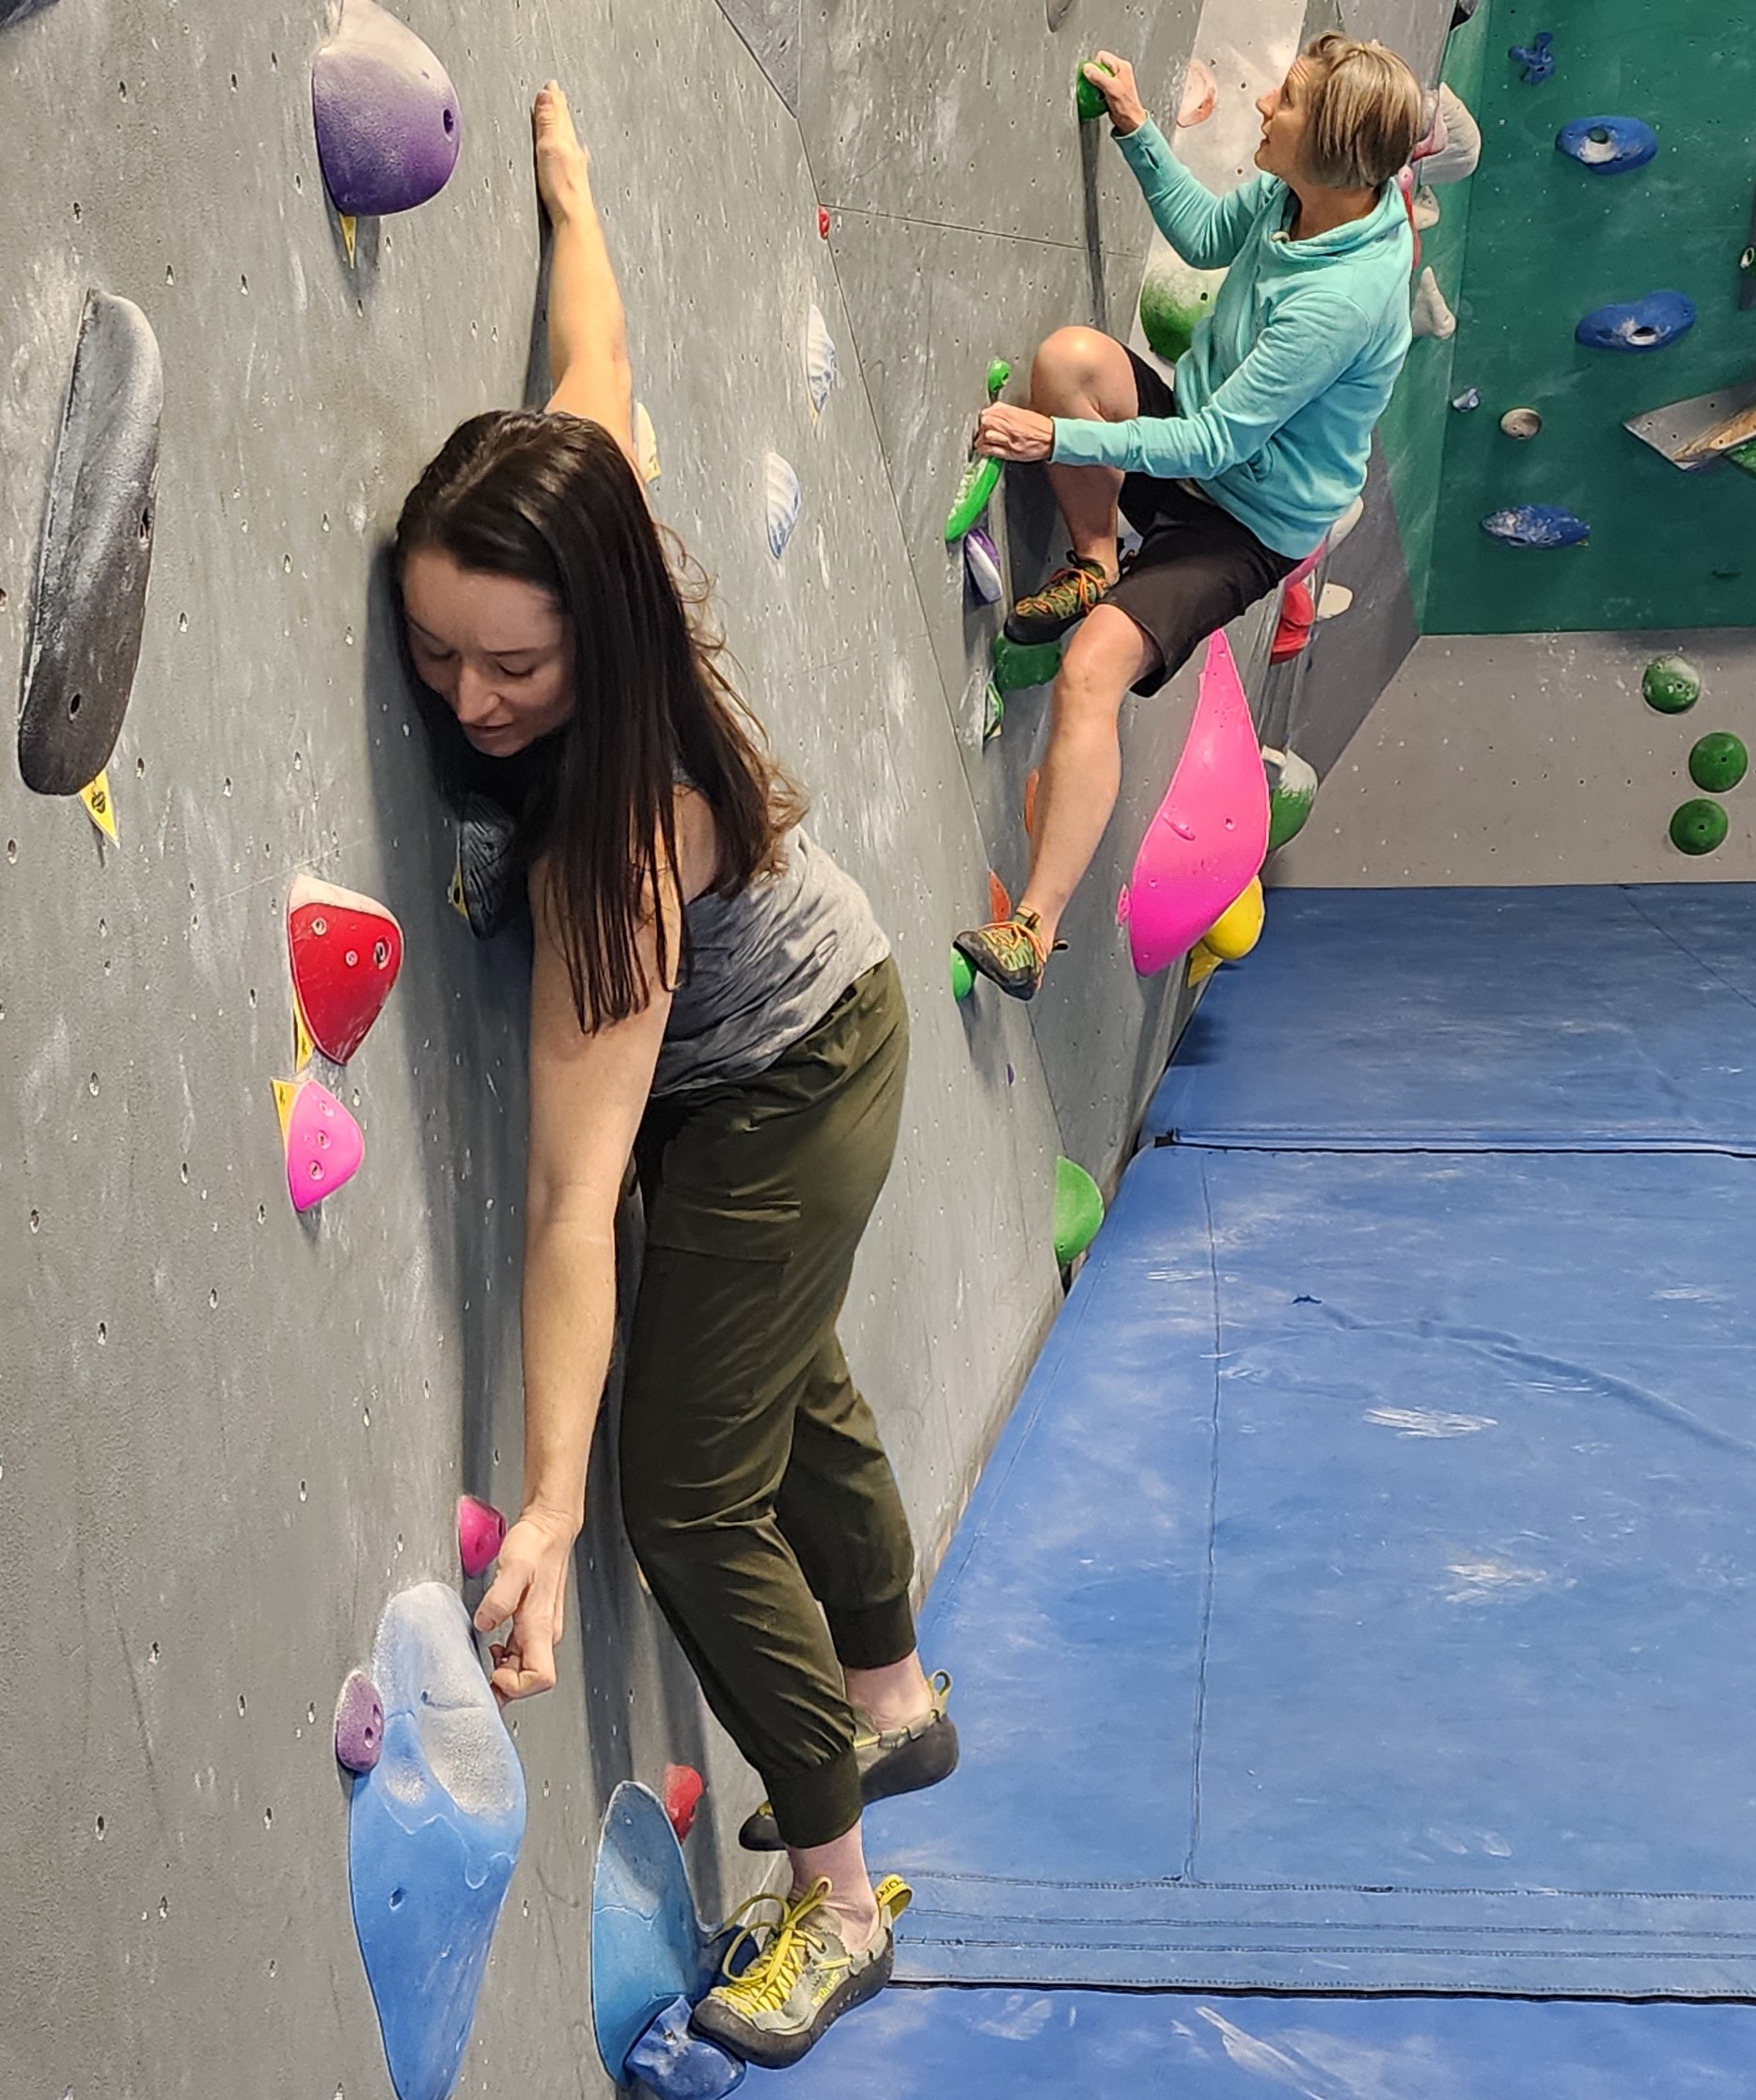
point(765, 966)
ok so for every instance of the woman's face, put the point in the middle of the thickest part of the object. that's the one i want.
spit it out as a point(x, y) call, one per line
point(496, 650)
point(1283, 125)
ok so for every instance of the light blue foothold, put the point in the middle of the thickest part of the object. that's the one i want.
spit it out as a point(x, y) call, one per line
point(1537, 525)
point(648, 1946)
point(434, 1833)
point(1643, 325)
point(674, 2064)
point(1608, 144)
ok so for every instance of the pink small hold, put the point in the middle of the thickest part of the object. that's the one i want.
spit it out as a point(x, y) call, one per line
point(359, 1723)
point(823, 222)
point(481, 1534)
point(1124, 904)
point(324, 1146)
point(683, 1789)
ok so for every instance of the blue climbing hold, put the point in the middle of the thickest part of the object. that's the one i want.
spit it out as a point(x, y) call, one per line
point(434, 1832)
point(1608, 144)
point(1536, 59)
point(673, 2063)
point(648, 1947)
point(1537, 525)
point(1648, 323)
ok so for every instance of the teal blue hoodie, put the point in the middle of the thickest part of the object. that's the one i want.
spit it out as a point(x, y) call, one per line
point(1277, 393)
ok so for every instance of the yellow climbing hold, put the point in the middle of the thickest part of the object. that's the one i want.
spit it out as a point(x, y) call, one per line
point(348, 229)
point(1239, 927)
point(285, 1094)
point(302, 1045)
point(98, 807)
point(1202, 966)
point(458, 904)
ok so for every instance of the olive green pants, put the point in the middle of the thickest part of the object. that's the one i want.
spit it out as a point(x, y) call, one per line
point(754, 1486)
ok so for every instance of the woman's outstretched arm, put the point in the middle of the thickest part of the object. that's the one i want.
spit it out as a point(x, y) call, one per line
point(1206, 230)
point(588, 335)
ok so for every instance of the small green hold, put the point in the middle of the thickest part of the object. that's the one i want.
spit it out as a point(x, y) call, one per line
point(1743, 456)
point(1078, 1211)
point(1091, 104)
point(963, 976)
point(974, 491)
point(1175, 298)
point(1699, 827)
point(1719, 762)
point(1672, 685)
point(1018, 665)
point(999, 371)
point(992, 712)
point(1292, 794)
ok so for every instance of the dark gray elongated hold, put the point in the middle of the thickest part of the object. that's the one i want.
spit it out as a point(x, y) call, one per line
point(489, 885)
point(15, 10)
point(97, 550)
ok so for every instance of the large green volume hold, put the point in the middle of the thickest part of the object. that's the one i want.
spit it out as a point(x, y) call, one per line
point(1078, 1211)
point(1175, 298)
point(1019, 665)
point(976, 489)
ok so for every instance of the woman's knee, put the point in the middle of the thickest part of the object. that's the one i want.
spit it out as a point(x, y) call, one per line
point(1107, 654)
point(1084, 364)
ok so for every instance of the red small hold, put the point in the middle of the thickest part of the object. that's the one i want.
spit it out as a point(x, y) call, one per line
point(1299, 613)
point(999, 902)
point(684, 1790)
point(346, 950)
point(823, 222)
point(481, 1534)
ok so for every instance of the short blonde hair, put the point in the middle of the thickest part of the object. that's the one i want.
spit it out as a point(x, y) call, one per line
point(1364, 112)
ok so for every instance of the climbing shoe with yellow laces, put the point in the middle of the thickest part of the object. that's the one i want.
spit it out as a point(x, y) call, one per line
point(1067, 597)
point(891, 1760)
point(1012, 952)
point(800, 1980)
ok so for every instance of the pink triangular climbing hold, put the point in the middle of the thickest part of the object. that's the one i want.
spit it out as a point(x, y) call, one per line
point(345, 950)
point(324, 1146)
point(481, 1534)
point(1211, 832)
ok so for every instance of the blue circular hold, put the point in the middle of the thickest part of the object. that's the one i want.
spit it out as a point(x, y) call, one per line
point(1608, 144)
point(1646, 324)
point(648, 1947)
point(1536, 524)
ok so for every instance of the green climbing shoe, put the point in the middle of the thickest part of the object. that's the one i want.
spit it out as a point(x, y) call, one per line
point(1011, 953)
point(891, 1760)
point(801, 1978)
point(1066, 598)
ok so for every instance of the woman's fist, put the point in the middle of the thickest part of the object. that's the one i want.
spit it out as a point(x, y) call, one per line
point(1114, 80)
point(1013, 433)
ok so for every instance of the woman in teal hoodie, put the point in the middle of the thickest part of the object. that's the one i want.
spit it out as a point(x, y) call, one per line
point(1234, 476)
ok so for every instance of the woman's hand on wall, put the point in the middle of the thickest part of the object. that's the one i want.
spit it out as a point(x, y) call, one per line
point(529, 1587)
point(1114, 80)
point(563, 165)
point(1013, 433)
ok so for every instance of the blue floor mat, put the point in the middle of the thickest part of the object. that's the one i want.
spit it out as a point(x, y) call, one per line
point(1359, 1598)
point(1028, 2045)
point(1606, 1019)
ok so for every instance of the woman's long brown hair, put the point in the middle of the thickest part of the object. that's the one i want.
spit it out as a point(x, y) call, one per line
point(553, 501)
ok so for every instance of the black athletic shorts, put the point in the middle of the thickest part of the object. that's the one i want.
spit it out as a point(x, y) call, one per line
point(1197, 568)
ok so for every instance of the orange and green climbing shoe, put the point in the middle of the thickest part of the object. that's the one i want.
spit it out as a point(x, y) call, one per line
point(1011, 953)
point(1067, 597)
point(801, 1978)
point(891, 1760)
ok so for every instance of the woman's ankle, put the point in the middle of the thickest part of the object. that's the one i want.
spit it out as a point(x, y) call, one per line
point(895, 1696)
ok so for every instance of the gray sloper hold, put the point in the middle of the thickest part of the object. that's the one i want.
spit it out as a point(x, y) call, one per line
point(15, 10)
point(771, 28)
point(97, 550)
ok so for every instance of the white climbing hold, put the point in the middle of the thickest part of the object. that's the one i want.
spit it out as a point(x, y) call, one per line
point(645, 445)
point(1345, 522)
point(784, 497)
point(820, 359)
point(1333, 601)
point(981, 557)
point(1429, 315)
point(1426, 209)
point(1458, 157)
point(1469, 398)
point(1521, 422)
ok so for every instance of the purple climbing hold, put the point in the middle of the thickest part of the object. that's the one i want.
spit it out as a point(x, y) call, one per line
point(359, 1723)
point(1536, 59)
point(1646, 324)
point(1537, 525)
point(981, 557)
point(387, 121)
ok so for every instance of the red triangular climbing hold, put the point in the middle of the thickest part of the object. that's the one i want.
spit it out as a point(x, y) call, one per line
point(345, 950)
point(999, 902)
point(1299, 613)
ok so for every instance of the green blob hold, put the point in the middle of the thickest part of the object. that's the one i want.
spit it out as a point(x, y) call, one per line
point(1174, 298)
point(1291, 794)
point(999, 371)
point(1018, 665)
point(1699, 827)
point(963, 976)
point(1078, 1211)
point(1719, 762)
point(1743, 456)
point(971, 501)
point(1091, 104)
point(1672, 685)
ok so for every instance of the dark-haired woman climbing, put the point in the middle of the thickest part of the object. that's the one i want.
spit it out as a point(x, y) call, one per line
point(711, 993)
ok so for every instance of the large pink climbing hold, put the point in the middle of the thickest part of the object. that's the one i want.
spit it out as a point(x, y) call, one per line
point(388, 126)
point(345, 950)
point(324, 1146)
point(683, 1789)
point(1210, 833)
point(481, 1534)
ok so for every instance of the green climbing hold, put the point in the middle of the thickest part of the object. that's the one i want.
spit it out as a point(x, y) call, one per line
point(1719, 762)
point(1292, 792)
point(981, 477)
point(1672, 685)
point(1078, 1211)
point(963, 977)
point(1743, 456)
point(1091, 104)
point(992, 712)
point(999, 371)
point(1018, 665)
point(1699, 827)
point(1174, 298)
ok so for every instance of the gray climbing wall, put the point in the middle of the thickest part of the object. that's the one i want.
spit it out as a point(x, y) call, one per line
point(227, 1433)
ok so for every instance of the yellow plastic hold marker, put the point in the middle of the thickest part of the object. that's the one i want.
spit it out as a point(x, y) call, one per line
point(98, 808)
point(348, 226)
point(285, 1094)
point(1202, 963)
point(645, 445)
point(303, 1046)
point(1239, 927)
point(456, 891)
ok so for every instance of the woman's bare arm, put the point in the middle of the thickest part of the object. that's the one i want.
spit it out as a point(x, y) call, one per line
point(588, 335)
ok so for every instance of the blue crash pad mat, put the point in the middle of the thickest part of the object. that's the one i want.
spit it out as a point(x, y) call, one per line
point(1031, 2045)
point(1359, 1598)
point(1536, 1019)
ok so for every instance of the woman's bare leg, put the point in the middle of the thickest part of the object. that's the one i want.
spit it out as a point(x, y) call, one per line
point(1079, 372)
